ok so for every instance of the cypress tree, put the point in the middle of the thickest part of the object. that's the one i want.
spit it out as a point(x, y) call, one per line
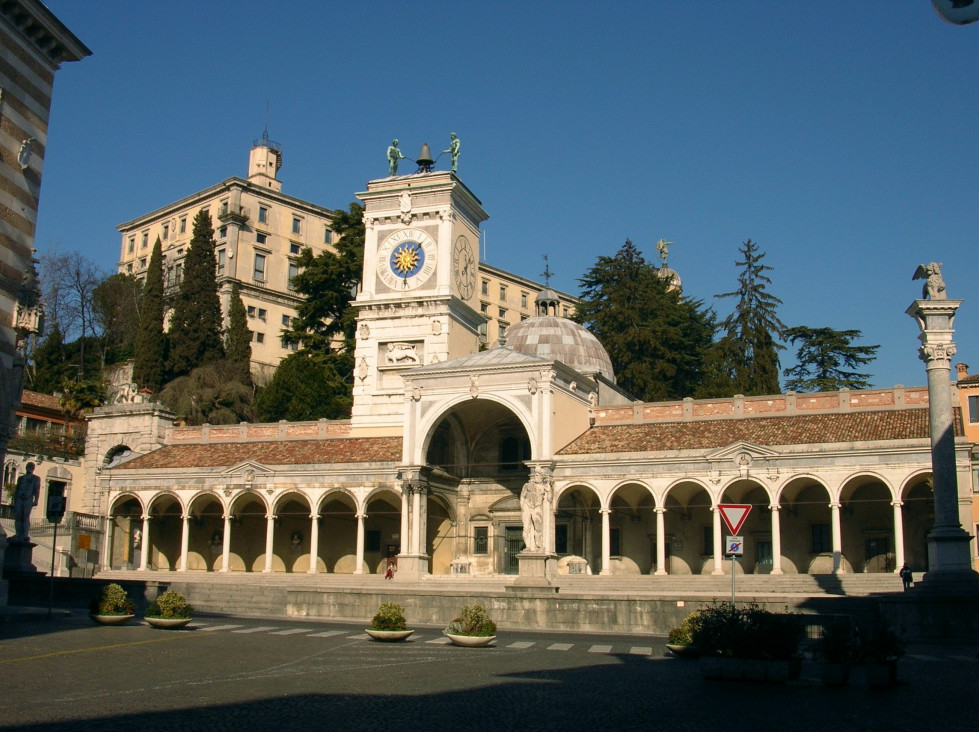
point(238, 339)
point(195, 327)
point(151, 342)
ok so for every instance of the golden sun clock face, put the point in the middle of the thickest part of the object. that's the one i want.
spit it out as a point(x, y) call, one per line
point(464, 267)
point(406, 259)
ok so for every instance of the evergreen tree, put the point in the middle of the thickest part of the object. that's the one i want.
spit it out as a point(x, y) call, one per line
point(307, 386)
point(656, 337)
point(325, 321)
point(51, 365)
point(195, 326)
point(823, 359)
point(238, 339)
point(115, 310)
point(150, 348)
point(212, 393)
point(745, 360)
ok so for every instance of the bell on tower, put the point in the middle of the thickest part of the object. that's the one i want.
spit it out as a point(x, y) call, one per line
point(425, 161)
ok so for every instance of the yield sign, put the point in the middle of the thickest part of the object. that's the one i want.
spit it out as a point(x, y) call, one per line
point(734, 514)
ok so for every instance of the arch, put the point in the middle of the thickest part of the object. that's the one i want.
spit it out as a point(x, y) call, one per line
point(165, 529)
point(125, 530)
point(382, 529)
point(917, 518)
point(578, 526)
point(757, 527)
point(689, 527)
point(330, 494)
point(439, 534)
point(805, 519)
point(291, 535)
point(205, 510)
point(633, 519)
point(116, 455)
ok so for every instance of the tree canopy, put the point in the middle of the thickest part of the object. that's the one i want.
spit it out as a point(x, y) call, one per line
point(656, 338)
point(307, 386)
point(150, 349)
point(745, 359)
point(826, 359)
point(238, 339)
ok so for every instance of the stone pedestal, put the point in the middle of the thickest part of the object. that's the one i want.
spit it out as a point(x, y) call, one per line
point(411, 567)
point(18, 557)
point(536, 572)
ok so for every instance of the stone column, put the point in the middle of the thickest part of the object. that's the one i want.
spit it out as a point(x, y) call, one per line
point(144, 546)
point(269, 539)
point(661, 541)
point(359, 569)
point(226, 545)
point(948, 543)
point(403, 541)
point(416, 523)
point(184, 542)
point(898, 536)
point(606, 541)
point(314, 543)
point(834, 508)
point(718, 545)
point(776, 539)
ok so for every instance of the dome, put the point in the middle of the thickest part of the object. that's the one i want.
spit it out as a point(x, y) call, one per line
point(559, 339)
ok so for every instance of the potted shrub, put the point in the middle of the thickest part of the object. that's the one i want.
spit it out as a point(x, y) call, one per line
point(718, 636)
point(169, 610)
point(112, 606)
point(880, 648)
point(837, 647)
point(473, 627)
point(389, 623)
point(680, 641)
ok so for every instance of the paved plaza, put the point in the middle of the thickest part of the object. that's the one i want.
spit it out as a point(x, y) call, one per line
point(236, 673)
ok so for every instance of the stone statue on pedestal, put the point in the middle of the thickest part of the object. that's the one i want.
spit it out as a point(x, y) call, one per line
point(934, 287)
point(26, 496)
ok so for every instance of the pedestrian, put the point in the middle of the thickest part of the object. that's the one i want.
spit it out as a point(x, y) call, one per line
point(390, 573)
point(906, 577)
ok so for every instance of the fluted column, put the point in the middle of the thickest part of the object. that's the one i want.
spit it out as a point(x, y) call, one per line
point(661, 540)
point(144, 547)
point(314, 543)
point(776, 539)
point(898, 535)
point(269, 541)
point(359, 569)
point(718, 543)
point(606, 541)
point(184, 543)
point(837, 537)
point(226, 546)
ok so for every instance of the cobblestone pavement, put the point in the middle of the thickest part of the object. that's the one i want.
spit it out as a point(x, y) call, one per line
point(235, 674)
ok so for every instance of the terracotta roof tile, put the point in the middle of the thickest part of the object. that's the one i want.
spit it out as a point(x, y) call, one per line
point(283, 452)
point(36, 399)
point(900, 424)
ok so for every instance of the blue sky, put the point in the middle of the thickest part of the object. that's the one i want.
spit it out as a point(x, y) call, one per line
point(840, 136)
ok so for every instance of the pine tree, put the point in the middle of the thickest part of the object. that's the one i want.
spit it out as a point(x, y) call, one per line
point(823, 357)
point(745, 360)
point(150, 349)
point(238, 339)
point(655, 337)
point(195, 326)
point(307, 386)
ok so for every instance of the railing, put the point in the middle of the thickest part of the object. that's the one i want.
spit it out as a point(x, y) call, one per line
point(67, 447)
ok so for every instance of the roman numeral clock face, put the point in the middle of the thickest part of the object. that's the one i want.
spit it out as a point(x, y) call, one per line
point(406, 259)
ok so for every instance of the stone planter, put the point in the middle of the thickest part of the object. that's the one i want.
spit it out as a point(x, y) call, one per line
point(881, 675)
point(167, 623)
point(471, 641)
point(836, 674)
point(111, 619)
point(388, 636)
point(683, 651)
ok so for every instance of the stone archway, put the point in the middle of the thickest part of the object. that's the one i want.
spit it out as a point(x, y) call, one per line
point(918, 518)
point(578, 530)
point(125, 533)
point(689, 527)
point(756, 529)
point(165, 528)
point(246, 550)
point(867, 525)
point(806, 523)
point(206, 533)
point(632, 526)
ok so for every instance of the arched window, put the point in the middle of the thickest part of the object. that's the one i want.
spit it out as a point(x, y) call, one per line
point(9, 473)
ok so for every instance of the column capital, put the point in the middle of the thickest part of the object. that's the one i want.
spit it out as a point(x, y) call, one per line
point(660, 509)
point(774, 507)
point(605, 511)
point(835, 505)
point(897, 503)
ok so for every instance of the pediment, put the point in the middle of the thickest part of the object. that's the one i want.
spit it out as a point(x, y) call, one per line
point(506, 505)
point(248, 470)
point(736, 450)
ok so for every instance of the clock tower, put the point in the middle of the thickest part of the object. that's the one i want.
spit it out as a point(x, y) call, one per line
point(417, 305)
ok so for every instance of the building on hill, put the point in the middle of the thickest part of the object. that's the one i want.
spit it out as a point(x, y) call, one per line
point(33, 45)
point(521, 459)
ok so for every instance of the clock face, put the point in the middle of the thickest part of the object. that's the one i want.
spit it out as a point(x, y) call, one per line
point(464, 267)
point(406, 259)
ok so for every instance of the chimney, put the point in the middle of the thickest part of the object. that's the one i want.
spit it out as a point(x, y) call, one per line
point(961, 370)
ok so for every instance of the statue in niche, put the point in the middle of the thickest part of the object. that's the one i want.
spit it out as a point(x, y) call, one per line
point(934, 287)
point(402, 353)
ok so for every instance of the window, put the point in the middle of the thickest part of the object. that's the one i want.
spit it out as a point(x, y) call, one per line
point(764, 551)
point(615, 542)
point(178, 273)
point(286, 321)
point(974, 409)
point(822, 542)
point(503, 292)
point(523, 299)
point(146, 240)
point(10, 473)
point(259, 337)
point(251, 311)
point(502, 312)
point(263, 314)
point(142, 263)
point(296, 225)
point(166, 232)
point(484, 288)
point(294, 248)
point(327, 237)
point(223, 232)
point(259, 273)
point(481, 540)
point(132, 244)
point(129, 268)
point(561, 539)
point(263, 215)
point(287, 346)
point(564, 312)
point(183, 224)
point(293, 272)
point(221, 260)
point(261, 238)
point(484, 308)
